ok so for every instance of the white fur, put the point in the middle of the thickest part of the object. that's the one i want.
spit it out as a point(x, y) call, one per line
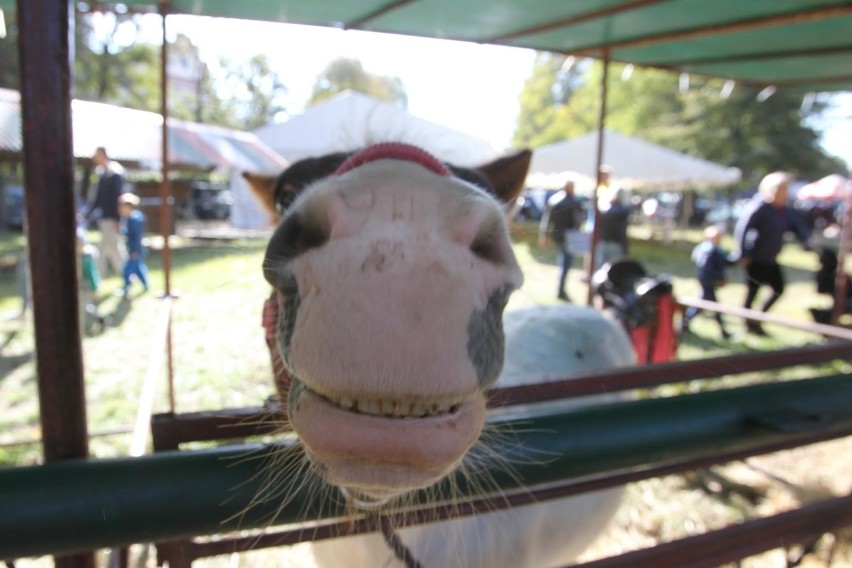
point(544, 340)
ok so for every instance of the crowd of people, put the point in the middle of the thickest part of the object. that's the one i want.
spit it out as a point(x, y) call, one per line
point(758, 238)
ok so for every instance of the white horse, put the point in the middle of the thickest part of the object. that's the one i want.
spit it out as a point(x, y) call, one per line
point(391, 271)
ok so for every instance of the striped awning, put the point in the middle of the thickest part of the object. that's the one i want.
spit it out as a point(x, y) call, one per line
point(134, 136)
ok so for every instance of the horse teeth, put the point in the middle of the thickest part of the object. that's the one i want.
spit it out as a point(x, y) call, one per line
point(393, 408)
point(370, 407)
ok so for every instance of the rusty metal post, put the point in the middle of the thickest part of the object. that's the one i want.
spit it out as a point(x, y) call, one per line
point(45, 39)
point(596, 230)
point(166, 197)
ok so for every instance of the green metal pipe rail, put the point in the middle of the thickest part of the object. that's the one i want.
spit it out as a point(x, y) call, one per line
point(88, 504)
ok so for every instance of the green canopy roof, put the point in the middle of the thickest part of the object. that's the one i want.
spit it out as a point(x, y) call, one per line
point(804, 45)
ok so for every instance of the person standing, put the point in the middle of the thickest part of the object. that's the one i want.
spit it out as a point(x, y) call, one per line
point(759, 233)
point(613, 217)
point(104, 210)
point(563, 216)
point(134, 230)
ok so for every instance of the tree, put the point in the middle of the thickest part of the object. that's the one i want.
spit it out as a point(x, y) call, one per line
point(342, 74)
point(10, 77)
point(111, 65)
point(114, 65)
point(739, 131)
point(757, 137)
point(250, 94)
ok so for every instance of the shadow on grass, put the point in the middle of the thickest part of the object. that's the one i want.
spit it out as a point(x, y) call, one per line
point(117, 316)
point(12, 362)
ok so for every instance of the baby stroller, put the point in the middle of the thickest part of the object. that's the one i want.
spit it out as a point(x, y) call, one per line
point(826, 282)
point(644, 305)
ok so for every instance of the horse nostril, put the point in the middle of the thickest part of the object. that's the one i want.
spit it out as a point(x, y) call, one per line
point(296, 235)
point(491, 243)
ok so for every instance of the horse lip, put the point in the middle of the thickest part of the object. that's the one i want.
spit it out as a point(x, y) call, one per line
point(376, 454)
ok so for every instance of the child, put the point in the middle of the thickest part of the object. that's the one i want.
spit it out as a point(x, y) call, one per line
point(711, 261)
point(93, 322)
point(133, 229)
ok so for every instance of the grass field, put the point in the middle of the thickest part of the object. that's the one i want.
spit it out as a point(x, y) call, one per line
point(220, 359)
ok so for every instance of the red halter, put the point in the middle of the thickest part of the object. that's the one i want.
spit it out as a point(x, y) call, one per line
point(393, 151)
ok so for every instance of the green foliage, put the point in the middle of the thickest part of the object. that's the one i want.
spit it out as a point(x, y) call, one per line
point(254, 94)
point(757, 137)
point(113, 64)
point(9, 73)
point(342, 74)
point(107, 70)
point(542, 119)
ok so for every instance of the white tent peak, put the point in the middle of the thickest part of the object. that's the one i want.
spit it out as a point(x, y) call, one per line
point(634, 163)
point(351, 120)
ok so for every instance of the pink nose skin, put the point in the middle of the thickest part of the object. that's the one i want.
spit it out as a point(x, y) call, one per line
point(391, 293)
point(382, 339)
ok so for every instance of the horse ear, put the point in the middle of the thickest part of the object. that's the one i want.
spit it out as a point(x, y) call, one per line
point(507, 175)
point(263, 187)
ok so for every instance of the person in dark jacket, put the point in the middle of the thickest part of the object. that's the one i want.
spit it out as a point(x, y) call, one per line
point(104, 210)
point(614, 217)
point(563, 215)
point(760, 234)
point(711, 261)
point(134, 230)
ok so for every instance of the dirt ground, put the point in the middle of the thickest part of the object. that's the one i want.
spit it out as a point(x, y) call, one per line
point(667, 508)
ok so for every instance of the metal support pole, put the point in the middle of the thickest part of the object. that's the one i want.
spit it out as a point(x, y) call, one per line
point(596, 231)
point(166, 198)
point(45, 40)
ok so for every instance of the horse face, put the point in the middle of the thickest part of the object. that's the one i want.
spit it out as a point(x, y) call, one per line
point(391, 278)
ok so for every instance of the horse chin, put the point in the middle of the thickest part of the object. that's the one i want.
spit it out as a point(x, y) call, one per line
point(377, 458)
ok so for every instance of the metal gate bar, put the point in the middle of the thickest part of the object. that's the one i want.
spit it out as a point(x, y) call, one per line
point(170, 430)
point(83, 505)
point(746, 539)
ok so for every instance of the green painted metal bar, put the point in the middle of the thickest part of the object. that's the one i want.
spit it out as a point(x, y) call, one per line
point(87, 504)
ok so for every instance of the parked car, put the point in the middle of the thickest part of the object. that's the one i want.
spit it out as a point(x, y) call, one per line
point(210, 201)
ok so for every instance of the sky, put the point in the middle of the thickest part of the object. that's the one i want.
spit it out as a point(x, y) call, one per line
point(470, 87)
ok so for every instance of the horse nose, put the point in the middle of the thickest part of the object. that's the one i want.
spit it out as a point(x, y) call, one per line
point(482, 230)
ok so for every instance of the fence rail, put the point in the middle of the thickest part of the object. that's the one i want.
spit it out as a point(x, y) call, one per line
point(88, 504)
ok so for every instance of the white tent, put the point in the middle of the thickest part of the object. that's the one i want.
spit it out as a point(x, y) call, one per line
point(135, 136)
point(634, 164)
point(834, 187)
point(351, 120)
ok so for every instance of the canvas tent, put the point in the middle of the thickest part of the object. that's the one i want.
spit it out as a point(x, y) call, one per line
point(830, 188)
point(636, 164)
point(351, 120)
point(133, 136)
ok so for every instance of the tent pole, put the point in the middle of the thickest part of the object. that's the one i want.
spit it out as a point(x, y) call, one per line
point(598, 163)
